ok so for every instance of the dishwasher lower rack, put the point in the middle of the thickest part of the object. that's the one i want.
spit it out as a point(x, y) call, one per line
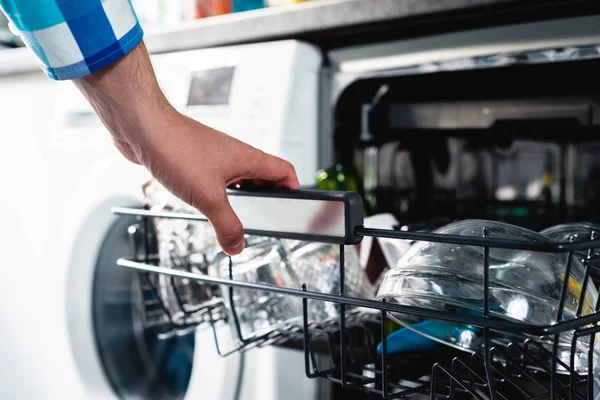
point(526, 370)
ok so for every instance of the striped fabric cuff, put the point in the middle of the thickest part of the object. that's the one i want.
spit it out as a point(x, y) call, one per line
point(74, 38)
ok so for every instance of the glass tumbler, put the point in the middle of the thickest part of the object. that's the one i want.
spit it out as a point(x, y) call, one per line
point(258, 312)
point(182, 245)
point(318, 266)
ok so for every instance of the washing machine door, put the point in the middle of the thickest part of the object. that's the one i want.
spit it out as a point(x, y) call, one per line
point(137, 363)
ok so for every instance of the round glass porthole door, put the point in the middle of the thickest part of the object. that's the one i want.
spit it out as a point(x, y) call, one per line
point(137, 363)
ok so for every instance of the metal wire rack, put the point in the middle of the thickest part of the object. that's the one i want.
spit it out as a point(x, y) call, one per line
point(526, 370)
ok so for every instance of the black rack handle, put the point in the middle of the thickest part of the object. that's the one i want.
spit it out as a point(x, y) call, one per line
point(309, 215)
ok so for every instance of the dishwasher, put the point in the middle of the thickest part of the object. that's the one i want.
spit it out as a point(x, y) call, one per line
point(504, 141)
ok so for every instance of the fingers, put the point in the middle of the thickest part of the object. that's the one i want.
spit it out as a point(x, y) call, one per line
point(266, 167)
point(227, 226)
point(250, 184)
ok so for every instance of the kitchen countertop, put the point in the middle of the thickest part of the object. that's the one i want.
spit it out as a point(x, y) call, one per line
point(323, 20)
point(299, 20)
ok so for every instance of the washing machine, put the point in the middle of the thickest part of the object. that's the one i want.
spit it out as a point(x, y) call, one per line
point(71, 320)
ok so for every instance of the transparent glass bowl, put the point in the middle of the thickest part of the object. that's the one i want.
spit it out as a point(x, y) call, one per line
point(259, 312)
point(318, 266)
point(574, 231)
point(525, 286)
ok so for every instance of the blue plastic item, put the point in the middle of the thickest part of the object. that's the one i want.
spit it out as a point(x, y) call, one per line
point(406, 339)
point(247, 5)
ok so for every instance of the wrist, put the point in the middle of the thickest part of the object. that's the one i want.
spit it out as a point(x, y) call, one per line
point(127, 98)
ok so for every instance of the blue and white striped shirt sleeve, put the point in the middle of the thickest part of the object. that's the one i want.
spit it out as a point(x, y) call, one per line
point(74, 38)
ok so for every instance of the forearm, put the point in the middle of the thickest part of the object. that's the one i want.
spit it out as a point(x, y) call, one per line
point(101, 49)
point(127, 98)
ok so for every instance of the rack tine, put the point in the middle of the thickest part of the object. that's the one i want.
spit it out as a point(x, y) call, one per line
point(572, 370)
point(214, 330)
point(453, 367)
point(369, 342)
point(307, 340)
point(132, 231)
point(561, 305)
point(342, 318)
point(506, 378)
point(586, 277)
point(146, 233)
point(535, 361)
point(565, 287)
point(590, 385)
point(457, 362)
point(486, 313)
point(474, 358)
point(234, 314)
point(222, 354)
point(434, 380)
point(522, 367)
point(384, 363)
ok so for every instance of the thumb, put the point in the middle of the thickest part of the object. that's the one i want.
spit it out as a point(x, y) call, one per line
point(227, 226)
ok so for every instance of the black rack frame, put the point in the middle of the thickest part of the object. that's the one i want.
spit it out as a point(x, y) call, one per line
point(482, 373)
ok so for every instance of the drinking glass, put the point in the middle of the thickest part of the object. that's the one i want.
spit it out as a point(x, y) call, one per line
point(318, 266)
point(182, 245)
point(259, 312)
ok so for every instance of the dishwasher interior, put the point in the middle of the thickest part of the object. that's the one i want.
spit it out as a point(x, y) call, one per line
point(513, 142)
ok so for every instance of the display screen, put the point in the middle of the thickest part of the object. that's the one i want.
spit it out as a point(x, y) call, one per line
point(211, 87)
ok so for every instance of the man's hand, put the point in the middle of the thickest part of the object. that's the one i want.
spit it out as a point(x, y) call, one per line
point(196, 163)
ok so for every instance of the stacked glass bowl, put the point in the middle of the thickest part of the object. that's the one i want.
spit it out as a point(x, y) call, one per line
point(524, 286)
